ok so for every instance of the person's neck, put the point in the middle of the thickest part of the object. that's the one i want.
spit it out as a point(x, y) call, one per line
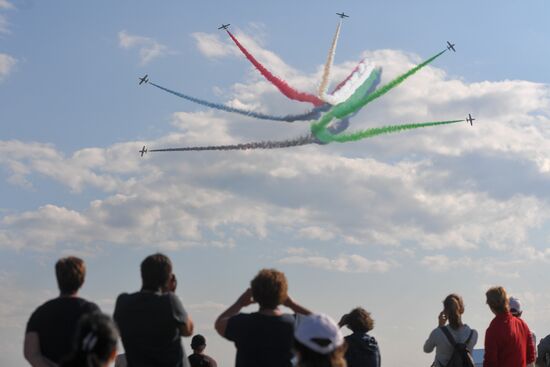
point(68, 295)
point(270, 311)
point(151, 290)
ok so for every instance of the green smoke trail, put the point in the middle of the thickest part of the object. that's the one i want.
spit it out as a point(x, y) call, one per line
point(354, 104)
point(327, 137)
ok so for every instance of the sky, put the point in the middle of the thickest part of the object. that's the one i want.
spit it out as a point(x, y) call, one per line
point(394, 223)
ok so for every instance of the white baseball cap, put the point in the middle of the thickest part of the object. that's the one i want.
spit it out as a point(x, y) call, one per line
point(515, 305)
point(318, 332)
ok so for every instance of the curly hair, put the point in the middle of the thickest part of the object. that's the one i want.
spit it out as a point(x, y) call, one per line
point(497, 299)
point(70, 273)
point(359, 320)
point(269, 288)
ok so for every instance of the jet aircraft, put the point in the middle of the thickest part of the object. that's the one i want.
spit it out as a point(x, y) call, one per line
point(143, 150)
point(224, 26)
point(451, 46)
point(342, 15)
point(143, 79)
point(470, 119)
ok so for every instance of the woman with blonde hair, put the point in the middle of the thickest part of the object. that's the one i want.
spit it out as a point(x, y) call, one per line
point(450, 330)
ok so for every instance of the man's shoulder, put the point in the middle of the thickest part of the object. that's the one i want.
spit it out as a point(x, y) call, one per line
point(61, 303)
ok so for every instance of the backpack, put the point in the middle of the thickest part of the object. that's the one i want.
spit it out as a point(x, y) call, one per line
point(461, 356)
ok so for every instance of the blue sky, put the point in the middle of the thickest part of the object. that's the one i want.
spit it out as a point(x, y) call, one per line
point(393, 223)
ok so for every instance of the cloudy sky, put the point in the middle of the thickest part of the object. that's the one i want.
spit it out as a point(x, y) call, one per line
point(393, 223)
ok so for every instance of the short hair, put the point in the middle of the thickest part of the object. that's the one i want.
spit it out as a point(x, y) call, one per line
point(497, 299)
point(70, 273)
point(155, 271)
point(269, 288)
point(359, 320)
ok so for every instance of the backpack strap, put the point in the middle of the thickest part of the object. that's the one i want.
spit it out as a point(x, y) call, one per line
point(448, 335)
point(469, 337)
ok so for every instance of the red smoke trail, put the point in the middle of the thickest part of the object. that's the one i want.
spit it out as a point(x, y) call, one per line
point(283, 86)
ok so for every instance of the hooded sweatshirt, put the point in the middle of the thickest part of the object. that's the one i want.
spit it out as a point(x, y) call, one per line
point(362, 350)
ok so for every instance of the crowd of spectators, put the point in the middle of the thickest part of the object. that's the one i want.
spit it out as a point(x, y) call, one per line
point(69, 331)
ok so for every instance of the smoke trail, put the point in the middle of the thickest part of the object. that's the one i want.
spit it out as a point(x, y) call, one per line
point(314, 114)
point(365, 71)
point(303, 140)
point(327, 137)
point(354, 104)
point(283, 86)
point(323, 87)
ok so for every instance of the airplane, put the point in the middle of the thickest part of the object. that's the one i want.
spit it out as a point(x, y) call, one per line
point(143, 150)
point(451, 46)
point(470, 119)
point(342, 15)
point(144, 79)
point(224, 26)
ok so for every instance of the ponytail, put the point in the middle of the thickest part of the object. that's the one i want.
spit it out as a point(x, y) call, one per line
point(454, 308)
point(95, 342)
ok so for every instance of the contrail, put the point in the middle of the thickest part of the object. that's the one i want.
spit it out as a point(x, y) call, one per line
point(354, 104)
point(365, 71)
point(283, 86)
point(369, 133)
point(325, 80)
point(314, 114)
point(304, 140)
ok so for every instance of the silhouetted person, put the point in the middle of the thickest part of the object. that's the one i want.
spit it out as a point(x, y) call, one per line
point(543, 352)
point(52, 326)
point(508, 338)
point(198, 358)
point(262, 338)
point(95, 342)
point(362, 349)
point(453, 308)
point(153, 320)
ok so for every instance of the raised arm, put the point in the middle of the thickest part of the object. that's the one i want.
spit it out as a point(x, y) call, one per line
point(244, 300)
point(290, 303)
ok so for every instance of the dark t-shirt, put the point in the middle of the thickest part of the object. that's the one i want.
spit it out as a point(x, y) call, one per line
point(149, 327)
point(55, 322)
point(261, 340)
point(199, 360)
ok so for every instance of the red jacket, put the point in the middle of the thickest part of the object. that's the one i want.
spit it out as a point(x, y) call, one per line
point(508, 342)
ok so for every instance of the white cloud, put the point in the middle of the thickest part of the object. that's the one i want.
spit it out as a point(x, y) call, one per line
point(437, 188)
point(343, 263)
point(5, 4)
point(4, 25)
point(7, 63)
point(149, 48)
point(210, 45)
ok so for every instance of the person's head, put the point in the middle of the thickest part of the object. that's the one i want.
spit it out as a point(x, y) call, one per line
point(95, 342)
point(156, 270)
point(515, 306)
point(198, 343)
point(269, 288)
point(70, 273)
point(497, 300)
point(318, 342)
point(358, 320)
point(453, 308)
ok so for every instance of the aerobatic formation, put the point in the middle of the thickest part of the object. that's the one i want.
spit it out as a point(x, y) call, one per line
point(331, 111)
